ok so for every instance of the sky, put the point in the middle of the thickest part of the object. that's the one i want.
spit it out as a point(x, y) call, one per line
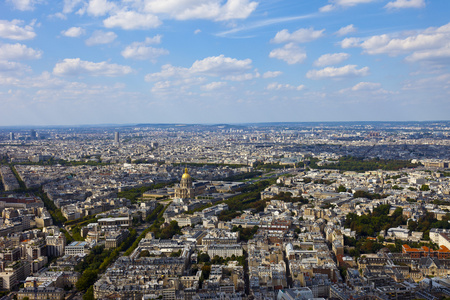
point(223, 61)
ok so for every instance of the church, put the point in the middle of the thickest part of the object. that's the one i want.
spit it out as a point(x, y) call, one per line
point(185, 190)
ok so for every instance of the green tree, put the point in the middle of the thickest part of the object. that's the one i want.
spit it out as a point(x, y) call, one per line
point(341, 189)
point(89, 295)
point(203, 258)
point(424, 187)
point(206, 270)
point(87, 279)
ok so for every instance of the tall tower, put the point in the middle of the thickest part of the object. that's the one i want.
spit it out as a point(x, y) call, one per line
point(116, 138)
point(11, 136)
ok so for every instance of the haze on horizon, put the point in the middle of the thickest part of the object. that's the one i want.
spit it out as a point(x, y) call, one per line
point(223, 61)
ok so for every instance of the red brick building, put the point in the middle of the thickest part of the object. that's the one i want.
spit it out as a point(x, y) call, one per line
point(442, 253)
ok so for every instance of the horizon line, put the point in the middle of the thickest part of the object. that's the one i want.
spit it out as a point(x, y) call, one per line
point(210, 124)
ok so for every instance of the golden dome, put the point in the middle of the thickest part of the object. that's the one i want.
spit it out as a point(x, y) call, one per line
point(186, 174)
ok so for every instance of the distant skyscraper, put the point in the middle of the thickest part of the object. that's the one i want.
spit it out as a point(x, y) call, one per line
point(33, 134)
point(11, 136)
point(116, 138)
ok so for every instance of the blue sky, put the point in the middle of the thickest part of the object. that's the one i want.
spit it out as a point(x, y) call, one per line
point(223, 61)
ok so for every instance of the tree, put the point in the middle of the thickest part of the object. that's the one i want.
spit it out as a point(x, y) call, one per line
point(203, 258)
point(370, 224)
point(206, 269)
point(341, 189)
point(89, 295)
point(87, 279)
point(176, 254)
point(424, 187)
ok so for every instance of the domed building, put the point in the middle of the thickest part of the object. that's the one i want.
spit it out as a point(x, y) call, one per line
point(184, 189)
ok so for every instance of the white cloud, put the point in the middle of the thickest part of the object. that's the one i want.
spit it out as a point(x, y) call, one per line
point(179, 79)
point(18, 52)
point(279, 87)
point(431, 44)
point(58, 15)
point(69, 5)
point(168, 71)
point(99, 7)
point(331, 59)
point(100, 37)
point(327, 8)
point(216, 66)
point(24, 4)
point(334, 4)
point(331, 72)
point(76, 66)
point(73, 32)
point(366, 86)
point(405, 4)
point(213, 86)
point(352, 2)
point(153, 40)
point(175, 87)
point(202, 9)
point(290, 53)
point(350, 42)
point(272, 74)
point(437, 83)
point(141, 51)
point(144, 14)
point(395, 46)
point(346, 30)
point(263, 23)
point(197, 31)
point(132, 20)
point(220, 66)
point(241, 77)
point(12, 30)
point(303, 35)
point(13, 68)
point(441, 54)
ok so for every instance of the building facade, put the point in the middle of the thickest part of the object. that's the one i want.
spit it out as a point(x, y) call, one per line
point(185, 190)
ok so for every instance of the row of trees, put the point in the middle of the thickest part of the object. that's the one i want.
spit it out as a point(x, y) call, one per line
point(359, 164)
point(99, 258)
point(55, 212)
point(371, 196)
point(242, 176)
point(287, 197)
point(157, 218)
point(96, 262)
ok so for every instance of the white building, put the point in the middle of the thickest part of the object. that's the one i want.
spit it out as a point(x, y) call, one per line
point(76, 248)
point(398, 233)
point(440, 236)
point(225, 250)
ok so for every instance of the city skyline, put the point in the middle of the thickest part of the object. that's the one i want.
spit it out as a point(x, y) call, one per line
point(211, 61)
